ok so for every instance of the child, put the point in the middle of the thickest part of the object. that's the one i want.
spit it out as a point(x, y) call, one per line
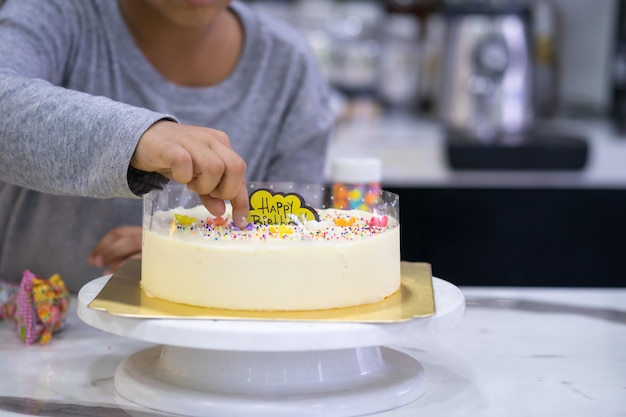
point(103, 100)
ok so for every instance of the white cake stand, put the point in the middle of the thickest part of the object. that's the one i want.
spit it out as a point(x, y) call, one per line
point(271, 368)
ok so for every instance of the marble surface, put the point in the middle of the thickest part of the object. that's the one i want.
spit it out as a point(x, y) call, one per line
point(517, 352)
point(413, 154)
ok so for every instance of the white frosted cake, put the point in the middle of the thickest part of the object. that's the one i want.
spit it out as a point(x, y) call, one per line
point(340, 258)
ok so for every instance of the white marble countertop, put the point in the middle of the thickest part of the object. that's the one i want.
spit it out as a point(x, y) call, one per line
point(413, 154)
point(517, 352)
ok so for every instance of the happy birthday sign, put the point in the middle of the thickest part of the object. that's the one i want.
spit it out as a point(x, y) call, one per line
point(268, 207)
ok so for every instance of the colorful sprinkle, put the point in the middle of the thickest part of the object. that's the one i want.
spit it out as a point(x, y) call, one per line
point(334, 225)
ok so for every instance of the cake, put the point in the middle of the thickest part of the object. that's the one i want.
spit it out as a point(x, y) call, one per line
point(290, 256)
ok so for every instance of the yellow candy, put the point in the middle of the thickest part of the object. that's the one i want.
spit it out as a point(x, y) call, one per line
point(343, 222)
point(356, 195)
point(184, 220)
point(285, 230)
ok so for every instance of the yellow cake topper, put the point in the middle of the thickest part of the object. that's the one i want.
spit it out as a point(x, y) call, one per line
point(268, 207)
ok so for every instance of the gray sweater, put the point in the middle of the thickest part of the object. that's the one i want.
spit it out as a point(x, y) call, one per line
point(76, 94)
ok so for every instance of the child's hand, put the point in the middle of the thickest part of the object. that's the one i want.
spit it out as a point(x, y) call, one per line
point(200, 157)
point(115, 247)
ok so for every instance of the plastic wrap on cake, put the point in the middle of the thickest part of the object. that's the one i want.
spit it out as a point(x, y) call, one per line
point(298, 252)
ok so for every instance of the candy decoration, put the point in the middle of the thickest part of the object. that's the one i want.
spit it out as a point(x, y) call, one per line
point(38, 308)
point(343, 222)
point(281, 229)
point(184, 220)
point(8, 292)
point(378, 221)
point(217, 221)
point(249, 226)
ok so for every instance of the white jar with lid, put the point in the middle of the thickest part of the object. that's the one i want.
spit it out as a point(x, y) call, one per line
point(356, 182)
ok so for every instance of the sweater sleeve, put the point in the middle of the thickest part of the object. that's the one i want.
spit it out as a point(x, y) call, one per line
point(65, 142)
point(53, 139)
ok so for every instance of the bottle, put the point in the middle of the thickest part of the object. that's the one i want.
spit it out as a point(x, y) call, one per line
point(356, 182)
point(546, 37)
point(429, 41)
point(399, 64)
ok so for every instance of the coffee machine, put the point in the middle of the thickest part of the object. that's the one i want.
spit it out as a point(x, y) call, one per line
point(487, 90)
point(486, 100)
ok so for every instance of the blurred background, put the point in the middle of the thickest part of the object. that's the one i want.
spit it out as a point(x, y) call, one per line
point(397, 50)
point(501, 124)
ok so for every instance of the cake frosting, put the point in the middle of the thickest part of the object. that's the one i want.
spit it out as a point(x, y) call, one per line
point(332, 259)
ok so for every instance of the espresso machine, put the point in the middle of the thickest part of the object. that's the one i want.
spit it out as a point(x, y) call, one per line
point(487, 91)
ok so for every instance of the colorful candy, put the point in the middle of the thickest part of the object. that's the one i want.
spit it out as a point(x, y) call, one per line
point(333, 225)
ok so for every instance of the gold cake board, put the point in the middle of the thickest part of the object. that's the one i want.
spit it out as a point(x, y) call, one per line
point(122, 296)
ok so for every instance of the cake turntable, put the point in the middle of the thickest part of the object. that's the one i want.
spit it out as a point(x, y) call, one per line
point(277, 368)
